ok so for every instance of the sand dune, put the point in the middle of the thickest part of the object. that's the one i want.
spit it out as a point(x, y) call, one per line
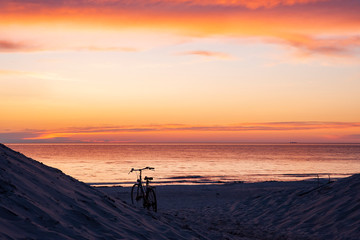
point(297, 210)
point(39, 202)
point(329, 212)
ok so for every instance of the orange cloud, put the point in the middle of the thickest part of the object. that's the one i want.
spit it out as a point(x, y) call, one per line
point(297, 23)
point(245, 3)
point(24, 4)
point(201, 15)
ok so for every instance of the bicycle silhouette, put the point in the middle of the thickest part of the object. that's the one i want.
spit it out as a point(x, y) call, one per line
point(143, 195)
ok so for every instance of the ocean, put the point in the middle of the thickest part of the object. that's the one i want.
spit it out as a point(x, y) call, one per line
point(196, 163)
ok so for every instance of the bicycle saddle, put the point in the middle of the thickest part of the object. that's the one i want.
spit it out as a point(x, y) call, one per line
point(148, 178)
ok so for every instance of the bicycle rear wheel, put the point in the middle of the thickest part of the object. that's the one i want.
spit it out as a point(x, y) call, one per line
point(137, 195)
point(151, 200)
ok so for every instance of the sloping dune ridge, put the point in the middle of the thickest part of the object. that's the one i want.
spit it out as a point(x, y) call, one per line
point(40, 202)
point(331, 211)
point(300, 210)
point(328, 212)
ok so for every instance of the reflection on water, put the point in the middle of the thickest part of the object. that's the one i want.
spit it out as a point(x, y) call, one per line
point(197, 163)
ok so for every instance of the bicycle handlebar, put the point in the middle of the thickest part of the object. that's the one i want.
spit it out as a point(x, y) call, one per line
point(140, 169)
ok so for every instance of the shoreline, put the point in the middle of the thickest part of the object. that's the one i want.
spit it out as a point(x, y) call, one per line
point(316, 178)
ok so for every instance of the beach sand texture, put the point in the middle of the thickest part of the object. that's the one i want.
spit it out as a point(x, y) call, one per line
point(39, 202)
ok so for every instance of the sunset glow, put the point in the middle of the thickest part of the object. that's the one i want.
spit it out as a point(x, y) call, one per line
point(180, 71)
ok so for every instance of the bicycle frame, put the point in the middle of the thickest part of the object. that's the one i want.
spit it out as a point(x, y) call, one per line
point(146, 193)
point(140, 185)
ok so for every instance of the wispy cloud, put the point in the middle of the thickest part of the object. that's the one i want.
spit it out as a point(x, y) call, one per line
point(21, 4)
point(336, 46)
point(23, 136)
point(68, 133)
point(353, 136)
point(208, 54)
point(33, 75)
point(13, 46)
point(244, 3)
point(8, 46)
point(107, 49)
point(10, 72)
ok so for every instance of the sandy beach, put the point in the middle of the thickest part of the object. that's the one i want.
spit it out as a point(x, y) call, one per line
point(269, 210)
point(40, 202)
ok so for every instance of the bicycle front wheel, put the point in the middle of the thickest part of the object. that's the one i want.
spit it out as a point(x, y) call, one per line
point(151, 200)
point(137, 195)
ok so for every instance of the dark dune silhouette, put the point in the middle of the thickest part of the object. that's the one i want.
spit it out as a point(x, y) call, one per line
point(40, 202)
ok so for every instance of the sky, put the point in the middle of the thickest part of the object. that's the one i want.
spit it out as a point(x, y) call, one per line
point(179, 71)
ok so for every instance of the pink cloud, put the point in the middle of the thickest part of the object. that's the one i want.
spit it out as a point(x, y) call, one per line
point(108, 49)
point(212, 54)
point(340, 46)
point(11, 46)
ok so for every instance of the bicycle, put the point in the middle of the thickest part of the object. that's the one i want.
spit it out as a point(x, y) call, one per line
point(141, 195)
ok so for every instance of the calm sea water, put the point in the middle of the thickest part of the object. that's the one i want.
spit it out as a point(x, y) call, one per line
point(197, 163)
